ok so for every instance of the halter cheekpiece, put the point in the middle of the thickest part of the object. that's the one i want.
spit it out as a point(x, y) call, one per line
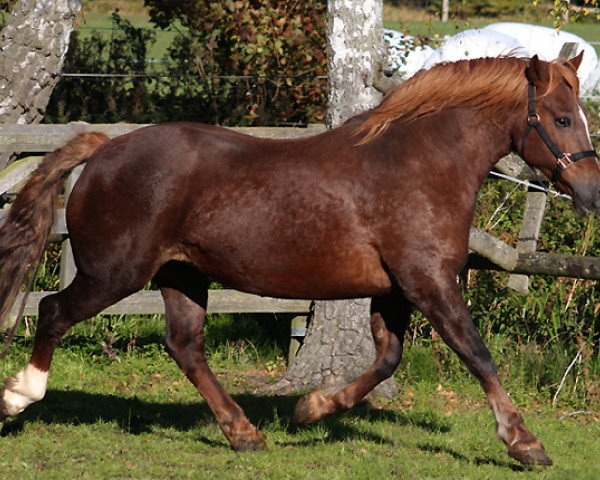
point(563, 160)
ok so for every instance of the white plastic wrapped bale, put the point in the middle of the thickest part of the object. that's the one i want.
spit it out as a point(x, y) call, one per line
point(403, 56)
point(476, 44)
point(547, 43)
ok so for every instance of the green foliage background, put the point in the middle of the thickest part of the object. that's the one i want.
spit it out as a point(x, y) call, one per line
point(245, 62)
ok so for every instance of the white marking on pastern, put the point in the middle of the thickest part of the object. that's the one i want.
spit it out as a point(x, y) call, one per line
point(27, 386)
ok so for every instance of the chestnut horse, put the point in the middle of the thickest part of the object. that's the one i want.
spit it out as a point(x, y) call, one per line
point(379, 207)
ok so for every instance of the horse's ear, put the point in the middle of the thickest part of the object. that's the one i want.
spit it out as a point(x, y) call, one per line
point(537, 72)
point(575, 62)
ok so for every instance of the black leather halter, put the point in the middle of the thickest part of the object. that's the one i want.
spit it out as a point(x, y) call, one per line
point(563, 160)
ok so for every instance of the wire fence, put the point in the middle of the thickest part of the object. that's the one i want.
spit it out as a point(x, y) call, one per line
point(233, 78)
point(211, 77)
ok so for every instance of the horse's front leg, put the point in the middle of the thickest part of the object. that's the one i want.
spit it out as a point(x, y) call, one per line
point(185, 343)
point(389, 318)
point(440, 300)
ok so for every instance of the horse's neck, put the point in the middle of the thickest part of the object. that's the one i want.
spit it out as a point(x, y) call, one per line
point(460, 137)
point(476, 142)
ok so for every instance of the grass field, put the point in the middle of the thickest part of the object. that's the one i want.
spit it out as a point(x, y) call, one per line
point(420, 22)
point(138, 417)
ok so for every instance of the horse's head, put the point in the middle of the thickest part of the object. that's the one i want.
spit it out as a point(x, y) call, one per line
point(554, 135)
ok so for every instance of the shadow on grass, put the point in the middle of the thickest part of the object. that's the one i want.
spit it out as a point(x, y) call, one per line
point(137, 416)
point(433, 448)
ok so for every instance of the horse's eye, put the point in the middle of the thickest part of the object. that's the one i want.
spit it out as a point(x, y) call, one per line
point(563, 122)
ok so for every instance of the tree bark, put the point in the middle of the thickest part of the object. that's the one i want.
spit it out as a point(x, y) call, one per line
point(355, 57)
point(33, 45)
point(339, 345)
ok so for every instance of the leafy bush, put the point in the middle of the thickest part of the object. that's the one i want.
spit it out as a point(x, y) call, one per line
point(238, 63)
point(99, 99)
point(7, 5)
point(276, 46)
point(557, 311)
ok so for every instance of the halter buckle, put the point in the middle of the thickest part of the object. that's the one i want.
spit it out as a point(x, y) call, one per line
point(533, 120)
point(565, 161)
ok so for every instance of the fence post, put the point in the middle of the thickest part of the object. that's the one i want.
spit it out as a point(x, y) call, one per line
point(67, 263)
point(529, 234)
point(298, 330)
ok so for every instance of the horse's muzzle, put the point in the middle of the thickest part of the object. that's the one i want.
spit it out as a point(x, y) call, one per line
point(586, 196)
point(582, 182)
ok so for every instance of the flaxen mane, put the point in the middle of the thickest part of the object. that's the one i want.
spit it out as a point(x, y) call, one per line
point(493, 86)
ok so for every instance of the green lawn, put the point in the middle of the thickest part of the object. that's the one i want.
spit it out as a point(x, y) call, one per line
point(138, 417)
point(103, 23)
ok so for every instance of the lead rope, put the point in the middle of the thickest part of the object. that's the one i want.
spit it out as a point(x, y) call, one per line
point(530, 185)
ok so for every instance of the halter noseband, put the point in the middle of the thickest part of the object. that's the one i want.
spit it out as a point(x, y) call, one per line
point(563, 160)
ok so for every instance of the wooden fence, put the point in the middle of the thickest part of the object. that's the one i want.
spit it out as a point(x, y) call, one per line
point(486, 251)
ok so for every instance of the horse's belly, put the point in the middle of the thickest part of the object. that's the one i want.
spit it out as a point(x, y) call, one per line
point(307, 240)
point(294, 275)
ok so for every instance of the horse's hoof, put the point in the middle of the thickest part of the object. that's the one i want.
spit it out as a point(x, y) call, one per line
point(243, 436)
point(311, 408)
point(529, 454)
point(254, 443)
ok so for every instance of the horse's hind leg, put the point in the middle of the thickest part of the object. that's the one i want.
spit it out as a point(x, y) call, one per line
point(390, 316)
point(185, 293)
point(84, 298)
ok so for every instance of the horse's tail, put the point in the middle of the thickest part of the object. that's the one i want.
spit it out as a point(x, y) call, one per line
point(29, 221)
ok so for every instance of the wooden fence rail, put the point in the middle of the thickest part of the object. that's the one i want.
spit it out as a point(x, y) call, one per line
point(149, 302)
point(487, 251)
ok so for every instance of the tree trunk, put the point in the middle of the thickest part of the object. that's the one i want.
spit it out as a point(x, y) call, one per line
point(339, 346)
point(355, 57)
point(33, 45)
